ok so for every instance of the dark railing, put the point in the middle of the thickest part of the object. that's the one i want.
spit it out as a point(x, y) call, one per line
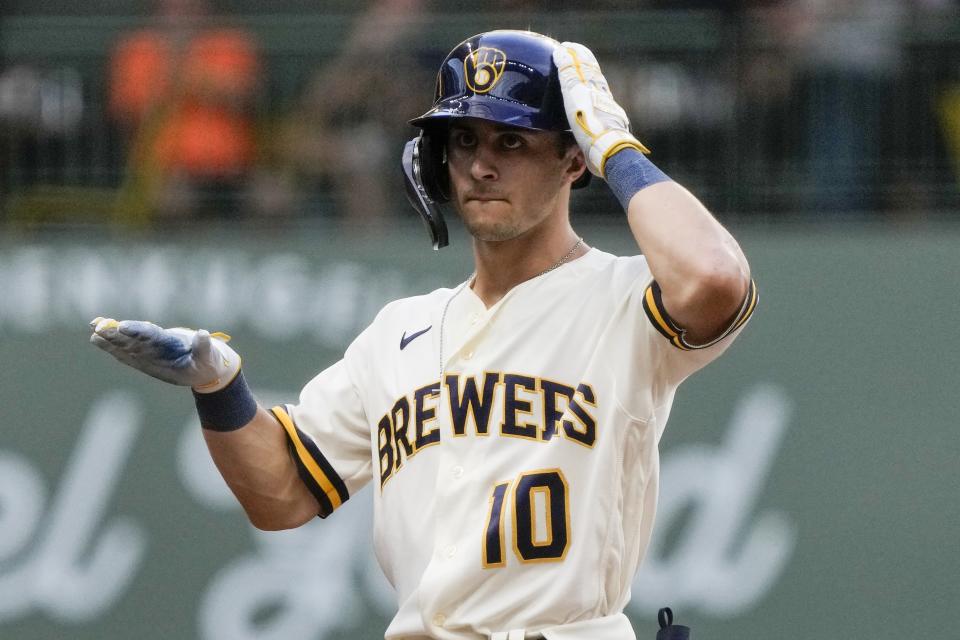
point(763, 113)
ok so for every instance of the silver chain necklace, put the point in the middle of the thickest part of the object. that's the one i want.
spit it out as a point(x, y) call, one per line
point(562, 260)
point(443, 316)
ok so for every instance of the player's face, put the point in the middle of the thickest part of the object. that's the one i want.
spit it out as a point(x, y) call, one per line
point(505, 180)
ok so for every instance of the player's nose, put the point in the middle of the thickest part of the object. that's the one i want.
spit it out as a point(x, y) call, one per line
point(483, 166)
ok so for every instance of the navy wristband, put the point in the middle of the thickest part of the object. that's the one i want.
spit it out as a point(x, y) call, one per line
point(629, 171)
point(227, 409)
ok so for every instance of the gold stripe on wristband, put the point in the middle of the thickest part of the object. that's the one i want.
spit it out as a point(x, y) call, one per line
point(620, 146)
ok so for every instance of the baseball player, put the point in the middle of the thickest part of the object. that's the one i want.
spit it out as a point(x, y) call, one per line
point(509, 424)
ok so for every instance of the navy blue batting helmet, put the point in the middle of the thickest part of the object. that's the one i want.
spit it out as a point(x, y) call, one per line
point(504, 76)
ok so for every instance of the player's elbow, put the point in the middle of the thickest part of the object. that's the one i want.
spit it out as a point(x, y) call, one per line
point(718, 284)
point(709, 298)
point(275, 523)
point(280, 517)
point(723, 288)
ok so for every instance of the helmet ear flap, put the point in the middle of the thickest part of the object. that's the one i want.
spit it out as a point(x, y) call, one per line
point(433, 166)
point(420, 171)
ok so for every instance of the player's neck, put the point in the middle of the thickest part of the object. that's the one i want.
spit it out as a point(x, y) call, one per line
point(500, 266)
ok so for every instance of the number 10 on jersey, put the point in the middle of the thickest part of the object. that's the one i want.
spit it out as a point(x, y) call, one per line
point(540, 519)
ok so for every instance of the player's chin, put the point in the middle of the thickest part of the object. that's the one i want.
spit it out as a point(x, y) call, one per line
point(488, 220)
point(491, 230)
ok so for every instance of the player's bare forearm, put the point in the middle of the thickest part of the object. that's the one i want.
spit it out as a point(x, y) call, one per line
point(256, 464)
point(702, 273)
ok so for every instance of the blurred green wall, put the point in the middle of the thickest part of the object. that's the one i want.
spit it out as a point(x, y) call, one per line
point(810, 476)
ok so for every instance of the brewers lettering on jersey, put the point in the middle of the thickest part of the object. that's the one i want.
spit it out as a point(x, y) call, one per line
point(510, 422)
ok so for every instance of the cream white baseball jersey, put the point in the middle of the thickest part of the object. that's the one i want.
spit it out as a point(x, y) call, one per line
point(513, 449)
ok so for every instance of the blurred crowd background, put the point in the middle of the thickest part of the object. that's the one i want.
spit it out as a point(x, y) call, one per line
point(235, 165)
point(151, 113)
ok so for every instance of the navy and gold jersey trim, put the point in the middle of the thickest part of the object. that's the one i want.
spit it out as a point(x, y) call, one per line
point(314, 469)
point(662, 322)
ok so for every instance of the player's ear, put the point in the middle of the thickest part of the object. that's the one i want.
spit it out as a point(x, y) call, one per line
point(575, 164)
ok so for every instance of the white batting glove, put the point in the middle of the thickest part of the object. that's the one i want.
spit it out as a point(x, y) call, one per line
point(599, 124)
point(180, 356)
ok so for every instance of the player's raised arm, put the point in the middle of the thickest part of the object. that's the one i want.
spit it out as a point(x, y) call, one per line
point(246, 442)
point(702, 274)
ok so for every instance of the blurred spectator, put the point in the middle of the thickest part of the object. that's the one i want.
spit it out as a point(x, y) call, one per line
point(40, 108)
point(183, 93)
point(849, 54)
point(944, 64)
point(347, 131)
point(817, 86)
point(348, 128)
point(769, 122)
point(948, 106)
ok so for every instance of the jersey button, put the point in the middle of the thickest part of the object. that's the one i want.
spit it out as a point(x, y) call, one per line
point(467, 355)
point(457, 472)
point(439, 619)
point(451, 551)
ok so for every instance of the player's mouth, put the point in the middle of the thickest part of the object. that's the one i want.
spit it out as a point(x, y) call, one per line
point(484, 197)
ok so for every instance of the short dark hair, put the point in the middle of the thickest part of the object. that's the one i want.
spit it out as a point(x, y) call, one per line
point(564, 141)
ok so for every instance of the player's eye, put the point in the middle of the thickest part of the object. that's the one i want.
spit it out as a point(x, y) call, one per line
point(463, 139)
point(511, 141)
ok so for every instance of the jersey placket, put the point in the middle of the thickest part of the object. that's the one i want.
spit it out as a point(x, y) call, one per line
point(458, 499)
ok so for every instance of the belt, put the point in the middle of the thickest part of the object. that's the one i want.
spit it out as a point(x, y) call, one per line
point(516, 634)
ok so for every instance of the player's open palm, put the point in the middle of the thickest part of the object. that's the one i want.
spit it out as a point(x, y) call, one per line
point(179, 355)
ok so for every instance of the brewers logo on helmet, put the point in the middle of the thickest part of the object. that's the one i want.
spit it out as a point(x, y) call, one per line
point(482, 68)
point(501, 76)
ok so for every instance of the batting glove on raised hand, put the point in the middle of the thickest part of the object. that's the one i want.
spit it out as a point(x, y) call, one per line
point(180, 356)
point(599, 124)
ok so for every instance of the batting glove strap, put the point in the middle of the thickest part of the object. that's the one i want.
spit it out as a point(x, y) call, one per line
point(599, 124)
point(227, 409)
